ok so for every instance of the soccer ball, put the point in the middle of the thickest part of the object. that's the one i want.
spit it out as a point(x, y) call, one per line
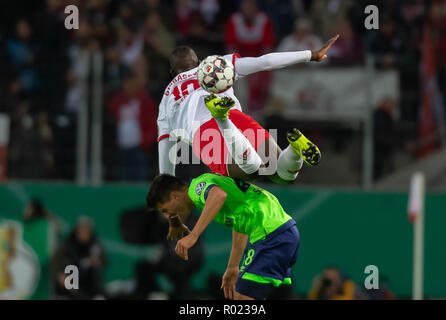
point(215, 74)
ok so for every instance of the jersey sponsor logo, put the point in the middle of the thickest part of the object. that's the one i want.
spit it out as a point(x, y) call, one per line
point(200, 187)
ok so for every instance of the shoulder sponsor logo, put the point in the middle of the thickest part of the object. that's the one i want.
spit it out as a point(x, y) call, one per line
point(200, 187)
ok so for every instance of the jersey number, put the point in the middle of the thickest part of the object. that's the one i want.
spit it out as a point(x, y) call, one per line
point(185, 89)
point(249, 257)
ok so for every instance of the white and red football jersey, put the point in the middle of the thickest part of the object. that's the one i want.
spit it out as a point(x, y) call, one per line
point(182, 109)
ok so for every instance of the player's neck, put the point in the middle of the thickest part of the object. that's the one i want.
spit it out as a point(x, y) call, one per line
point(189, 203)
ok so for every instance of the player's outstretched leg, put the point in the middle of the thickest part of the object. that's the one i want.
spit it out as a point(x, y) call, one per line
point(291, 159)
point(304, 147)
point(240, 149)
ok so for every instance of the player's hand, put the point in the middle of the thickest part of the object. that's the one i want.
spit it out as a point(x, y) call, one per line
point(184, 245)
point(176, 233)
point(227, 102)
point(210, 99)
point(177, 229)
point(224, 102)
point(321, 54)
point(228, 282)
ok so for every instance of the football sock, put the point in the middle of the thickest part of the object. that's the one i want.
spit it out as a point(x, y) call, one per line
point(289, 164)
point(240, 149)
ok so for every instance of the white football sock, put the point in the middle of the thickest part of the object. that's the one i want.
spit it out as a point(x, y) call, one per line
point(241, 150)
point(288, 164)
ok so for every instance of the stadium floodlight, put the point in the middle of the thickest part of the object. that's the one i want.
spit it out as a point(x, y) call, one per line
point(416, 216)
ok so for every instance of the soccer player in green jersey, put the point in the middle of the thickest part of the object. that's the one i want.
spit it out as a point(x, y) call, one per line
point(253, 214)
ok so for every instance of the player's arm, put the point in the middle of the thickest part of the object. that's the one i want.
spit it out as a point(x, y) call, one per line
point(215, 200)
point(278, 60)
point(165, 144)
point(239, 241)
point(166, 165)
point(230, 276)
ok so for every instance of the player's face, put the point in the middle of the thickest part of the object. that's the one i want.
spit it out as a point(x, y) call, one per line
point(174, 206)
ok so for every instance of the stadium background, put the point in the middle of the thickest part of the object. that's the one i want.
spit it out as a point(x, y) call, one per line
point(375, 108)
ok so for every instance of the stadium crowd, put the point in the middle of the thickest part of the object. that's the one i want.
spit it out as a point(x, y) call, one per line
point(41, 63)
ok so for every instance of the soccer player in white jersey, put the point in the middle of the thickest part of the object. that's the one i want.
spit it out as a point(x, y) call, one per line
point(242, 148)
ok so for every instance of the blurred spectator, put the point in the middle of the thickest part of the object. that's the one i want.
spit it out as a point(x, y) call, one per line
point(301, 7)
point(22, 51)
point(185, 12)
point(282, 15)
point(411, 16)
point(384, 138)
point(383, 293)
point(31, 154)
point(392, 47)
point(326, 13)
point(130, 42)
point(82, 44)
point(200, 39)
point(332, 285)
point(12, 94)
point(83, 250)
point(125, 12)
point(53, 39)
point(114, 70)
point(96, 12)
point(156, 35)
point(209, 10)
point(140, 70)
point(178, 271)
point(436, 26)
point(74, 93)
point(348, 49)
point(249, 32)
point(135, 114)
point(44, 134)
point(389, 45)
point(35, 210)
point(303, 38)
point(159, 44)
point(162, 7)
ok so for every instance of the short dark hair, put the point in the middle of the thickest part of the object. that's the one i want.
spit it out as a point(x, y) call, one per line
point(161, 188)
point(183, 58)
point(180, 51)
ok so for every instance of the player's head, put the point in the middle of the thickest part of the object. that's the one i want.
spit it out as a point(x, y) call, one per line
point(183, 58)
point(168, 195)
point(249, 9)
